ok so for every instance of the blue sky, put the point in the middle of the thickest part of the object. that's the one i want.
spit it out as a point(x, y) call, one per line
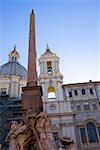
point(70, 27)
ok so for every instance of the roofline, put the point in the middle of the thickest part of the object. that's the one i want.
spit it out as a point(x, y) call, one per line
point(82, 83)
point(13, 62)
point(11, 75)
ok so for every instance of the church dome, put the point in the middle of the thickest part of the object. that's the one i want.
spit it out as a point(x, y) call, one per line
point(13, 67)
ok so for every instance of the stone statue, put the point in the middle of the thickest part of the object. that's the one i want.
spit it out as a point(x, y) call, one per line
point(16, 135)
point(36, 125)
point(43, 127)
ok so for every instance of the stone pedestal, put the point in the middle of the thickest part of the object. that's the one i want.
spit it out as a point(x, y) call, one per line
point(32, 99)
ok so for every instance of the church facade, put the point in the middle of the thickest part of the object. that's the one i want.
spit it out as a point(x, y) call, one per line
point(13, 76)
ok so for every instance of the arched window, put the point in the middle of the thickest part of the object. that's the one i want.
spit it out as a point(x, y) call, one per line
point(91, 131)
point(49, 67)
point(83, 92)
point(51, 92)
point(91, 91)
point(75, 92)
point(14, 58)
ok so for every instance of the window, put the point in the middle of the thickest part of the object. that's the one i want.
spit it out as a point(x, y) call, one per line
point(91, 135)
point(86, 106)
point(78, 107)
point(91, 131)
point(51, 92)
point(83, 135)
point(49, 67)
point(83, 92)
point(99, 131)
point(72, 106)
point(70, 94)
point(14, 58)
point(3, 91)
point(91, 91)
point(94, 105)
point(75, 92)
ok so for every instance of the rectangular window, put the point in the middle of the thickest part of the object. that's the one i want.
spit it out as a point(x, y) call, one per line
point(83, 92)
point(72, 106)
point(78, 107)
point(13, 58)
point(91, 91)
point(75, 92)
point(83, 135)
point(86, 106)
point(3, 91)
point(49, 67)
point(99, 130)
point(94, 105)
point(70, 94)
point(49, 64)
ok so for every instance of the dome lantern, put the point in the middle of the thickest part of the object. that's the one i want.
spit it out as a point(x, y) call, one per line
point(14, 55)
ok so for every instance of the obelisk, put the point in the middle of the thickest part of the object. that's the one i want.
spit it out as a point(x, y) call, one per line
point(32, 73)
point(32, 92)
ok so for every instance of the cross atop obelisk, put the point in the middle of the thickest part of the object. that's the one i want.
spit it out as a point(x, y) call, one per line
point(32, 73)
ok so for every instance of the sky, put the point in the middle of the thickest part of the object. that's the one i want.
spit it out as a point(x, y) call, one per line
point(70, 27)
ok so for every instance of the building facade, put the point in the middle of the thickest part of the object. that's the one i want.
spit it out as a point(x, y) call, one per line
point(74, 109)
point(85, 104)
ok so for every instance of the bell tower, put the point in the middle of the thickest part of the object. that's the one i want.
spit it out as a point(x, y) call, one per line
point(51, 81)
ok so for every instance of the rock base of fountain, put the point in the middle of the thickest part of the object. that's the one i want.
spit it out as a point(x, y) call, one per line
point(34, 133)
